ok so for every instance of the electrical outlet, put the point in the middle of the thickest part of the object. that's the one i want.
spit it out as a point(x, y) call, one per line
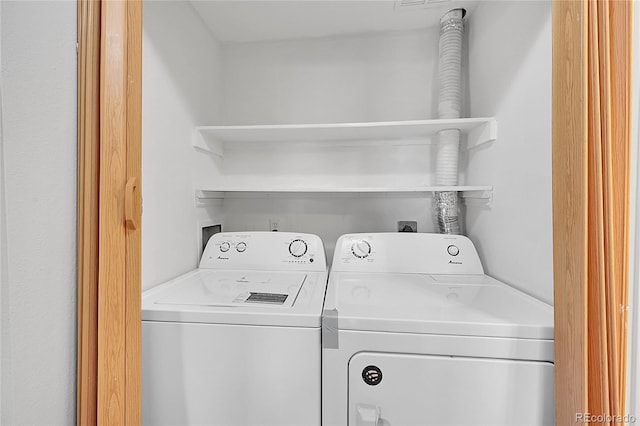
point(274, 225)
point(407, 226)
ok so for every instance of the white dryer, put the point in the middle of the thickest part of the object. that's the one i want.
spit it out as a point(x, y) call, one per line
point(414, 333)
point(237, 341)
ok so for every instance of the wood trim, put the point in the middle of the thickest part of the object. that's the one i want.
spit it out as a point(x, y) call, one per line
point(596, 324)
point(569, 162)
point(621, 12)
point(109, 153)
point(88, 191)
point(598, 372)
point(134, 236)
point(610, 250)
point(111, 256)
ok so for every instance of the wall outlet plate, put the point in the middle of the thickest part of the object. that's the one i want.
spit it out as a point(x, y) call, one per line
point(274, 225)
point(407, 226)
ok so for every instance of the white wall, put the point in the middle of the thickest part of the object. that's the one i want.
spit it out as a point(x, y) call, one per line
point(510, 78)
point(380, 77)
point(180, 90)
point(39, 142)
point(328, 217)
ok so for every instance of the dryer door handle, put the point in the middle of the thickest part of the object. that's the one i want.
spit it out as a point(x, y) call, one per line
point(367, 415)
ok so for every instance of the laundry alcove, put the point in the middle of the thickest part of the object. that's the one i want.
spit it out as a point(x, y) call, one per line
point(320, 115)
point(508, 71)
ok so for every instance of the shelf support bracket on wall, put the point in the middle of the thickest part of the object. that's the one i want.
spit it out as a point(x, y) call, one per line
point(485, 195)
point(485, 133)
point(208, 198)
point(206, 144)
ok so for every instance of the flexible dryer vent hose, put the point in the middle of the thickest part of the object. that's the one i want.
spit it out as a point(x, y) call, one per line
point(449, 105)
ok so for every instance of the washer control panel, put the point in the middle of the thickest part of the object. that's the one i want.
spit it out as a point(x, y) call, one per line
point(406, 253)
point(264, 251)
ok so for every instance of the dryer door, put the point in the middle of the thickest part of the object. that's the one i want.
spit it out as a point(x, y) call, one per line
point(397, 389)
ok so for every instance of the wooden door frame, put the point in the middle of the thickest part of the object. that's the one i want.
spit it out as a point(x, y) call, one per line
point(109, 211)
point(569, 131)
point(571, 209)
point(109, 100)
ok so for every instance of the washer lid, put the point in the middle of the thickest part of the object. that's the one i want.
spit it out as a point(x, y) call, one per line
point(465, 305)
point(238, 297)
point(236, 288)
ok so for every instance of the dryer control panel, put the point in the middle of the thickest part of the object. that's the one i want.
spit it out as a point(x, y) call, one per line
point(265, 251)
point(404, 252)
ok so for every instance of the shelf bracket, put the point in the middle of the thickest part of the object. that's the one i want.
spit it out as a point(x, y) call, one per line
point(211, 145)
point(487, 132)
point(208, 198)
point(485, 195)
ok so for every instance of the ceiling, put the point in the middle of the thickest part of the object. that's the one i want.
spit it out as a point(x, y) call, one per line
point(265, 20)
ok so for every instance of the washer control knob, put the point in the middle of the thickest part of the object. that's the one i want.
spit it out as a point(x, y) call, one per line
point(453, 250)
point(298, 248)
point(361, 249)
point(224, 247)
point(241, 246)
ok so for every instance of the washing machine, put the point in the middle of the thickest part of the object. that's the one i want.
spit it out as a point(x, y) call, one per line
point(238, 340)
point(414, 333)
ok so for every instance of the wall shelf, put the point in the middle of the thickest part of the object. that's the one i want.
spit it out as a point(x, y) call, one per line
point(216, 139)
point(206, 196)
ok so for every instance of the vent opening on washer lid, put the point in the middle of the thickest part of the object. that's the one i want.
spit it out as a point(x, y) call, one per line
point(273, 298)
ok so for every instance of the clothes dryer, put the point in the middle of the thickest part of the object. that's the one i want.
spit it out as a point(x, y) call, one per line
point(237, 341)
point(414, 333)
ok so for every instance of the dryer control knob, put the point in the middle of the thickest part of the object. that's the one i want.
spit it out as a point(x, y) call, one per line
point(298, 248)
point(240, 247)
point(453, 250)
point(224, 247)
point(361, 249)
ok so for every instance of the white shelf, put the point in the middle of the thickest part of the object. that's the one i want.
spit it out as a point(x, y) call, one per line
point(215, 139)
point(205, 196)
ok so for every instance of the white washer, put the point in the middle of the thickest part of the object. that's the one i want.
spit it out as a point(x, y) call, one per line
point(414, 333)
point(237, 341)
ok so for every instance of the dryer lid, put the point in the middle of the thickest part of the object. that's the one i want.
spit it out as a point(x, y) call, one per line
point(463, 305)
